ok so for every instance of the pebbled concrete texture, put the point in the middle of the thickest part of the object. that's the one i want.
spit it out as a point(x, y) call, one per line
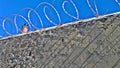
point(90, 44)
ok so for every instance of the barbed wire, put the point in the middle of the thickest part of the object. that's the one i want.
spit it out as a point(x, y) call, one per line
point(117, 2)
point(44, 5)
point(71, 61)
point(71, 58)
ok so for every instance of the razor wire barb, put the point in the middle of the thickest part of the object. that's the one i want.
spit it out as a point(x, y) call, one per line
point(41, 23)
point(68, 61)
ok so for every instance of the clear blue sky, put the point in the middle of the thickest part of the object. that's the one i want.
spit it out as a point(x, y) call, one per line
point(9, 7)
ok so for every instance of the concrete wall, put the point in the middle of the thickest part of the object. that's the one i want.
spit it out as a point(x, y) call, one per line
point(91, 44)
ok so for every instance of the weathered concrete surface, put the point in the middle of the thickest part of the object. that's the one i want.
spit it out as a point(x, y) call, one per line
point(92, 44)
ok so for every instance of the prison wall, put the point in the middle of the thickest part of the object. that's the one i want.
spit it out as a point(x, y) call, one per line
point(86, 44)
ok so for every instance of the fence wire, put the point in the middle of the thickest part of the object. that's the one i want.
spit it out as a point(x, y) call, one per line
point(12, 25)
point(90, 44)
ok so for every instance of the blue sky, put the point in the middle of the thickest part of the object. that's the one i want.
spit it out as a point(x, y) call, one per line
point(8, 7)
point(54, 16)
